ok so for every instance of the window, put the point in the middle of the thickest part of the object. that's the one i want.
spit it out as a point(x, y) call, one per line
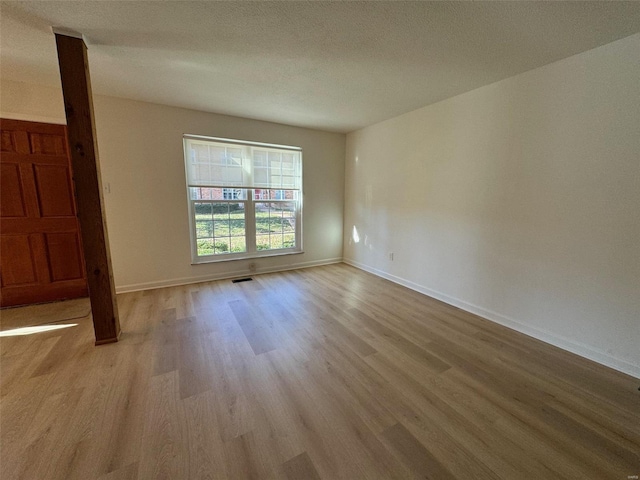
point(231, 193)
point(245, 198)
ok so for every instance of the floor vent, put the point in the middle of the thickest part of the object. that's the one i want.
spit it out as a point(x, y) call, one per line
point(238, 280)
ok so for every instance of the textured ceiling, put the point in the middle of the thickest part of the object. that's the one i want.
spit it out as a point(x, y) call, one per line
point(334, 66)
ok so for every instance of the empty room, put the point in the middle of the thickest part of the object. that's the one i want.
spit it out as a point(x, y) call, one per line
point(319, 240)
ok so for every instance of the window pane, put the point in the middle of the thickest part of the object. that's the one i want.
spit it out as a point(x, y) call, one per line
point(221, 219)
point(275, 222)
point(207, 193)
point(204, 229)
point(205, 247)
point(262, 242)
point(288, 216)
point(288, 181)
point(238, 244)
point(221, 226)
point(232, 193)
point(199, 153)
point(276, 241)
point(260, 175)
point(259, 158)
point(221, 229)
point(262, 218)
point(236, 219)
point(221, 245)
point(289, 240)
point(289, 226)
point(203, 211)
point(217, 154)
point(273, 194)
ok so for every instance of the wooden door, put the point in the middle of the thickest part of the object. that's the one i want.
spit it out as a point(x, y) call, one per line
point(41, 257)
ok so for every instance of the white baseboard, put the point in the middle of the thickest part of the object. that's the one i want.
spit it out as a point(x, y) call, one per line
point(174, 282)
point(564, 343)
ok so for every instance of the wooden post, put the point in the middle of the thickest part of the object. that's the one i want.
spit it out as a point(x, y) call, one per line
point(81, 133)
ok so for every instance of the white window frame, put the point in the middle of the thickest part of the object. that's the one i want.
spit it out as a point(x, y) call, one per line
point(249, 201)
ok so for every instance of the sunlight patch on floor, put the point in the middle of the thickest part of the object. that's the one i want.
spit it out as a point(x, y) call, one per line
point(37, 329)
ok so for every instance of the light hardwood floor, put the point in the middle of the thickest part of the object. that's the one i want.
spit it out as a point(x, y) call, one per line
point(325, 373)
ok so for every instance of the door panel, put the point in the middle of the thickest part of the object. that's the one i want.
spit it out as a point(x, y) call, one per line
point(47, 144)
point(53, 186)
point(11, 197)
point(65, 256)
point(41, 255)
point(17, 261)
point(8, 144)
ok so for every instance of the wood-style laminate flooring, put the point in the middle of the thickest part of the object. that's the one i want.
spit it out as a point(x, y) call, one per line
point(327, 373)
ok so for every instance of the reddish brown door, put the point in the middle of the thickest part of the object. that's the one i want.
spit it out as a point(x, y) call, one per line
point(40, 252)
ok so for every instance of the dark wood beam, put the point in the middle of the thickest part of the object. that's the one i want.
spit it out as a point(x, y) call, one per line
point(81, 133)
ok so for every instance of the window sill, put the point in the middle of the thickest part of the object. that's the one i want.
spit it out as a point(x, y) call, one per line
point(243, 256)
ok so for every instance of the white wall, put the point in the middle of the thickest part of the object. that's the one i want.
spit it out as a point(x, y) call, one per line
point(141, 159)
point(24, 101)
point(519, 201)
